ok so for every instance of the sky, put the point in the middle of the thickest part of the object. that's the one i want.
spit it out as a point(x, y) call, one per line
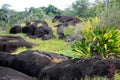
point(20, 5)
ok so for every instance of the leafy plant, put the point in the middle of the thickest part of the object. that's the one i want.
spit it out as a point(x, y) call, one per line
point(69, 53)
point(68, 30)
point(97, 40)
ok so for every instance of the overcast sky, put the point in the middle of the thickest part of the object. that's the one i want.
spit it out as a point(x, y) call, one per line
point(20, 5)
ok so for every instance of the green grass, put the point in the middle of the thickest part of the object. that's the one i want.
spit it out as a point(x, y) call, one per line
point(69, 53)
point(117, 76)
point(52, 45)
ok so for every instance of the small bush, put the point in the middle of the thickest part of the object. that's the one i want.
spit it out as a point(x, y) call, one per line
point(97, 39)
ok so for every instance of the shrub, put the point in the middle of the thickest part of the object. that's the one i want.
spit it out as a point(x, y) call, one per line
point(68, 30)
point(97, 39)
point(111, 17)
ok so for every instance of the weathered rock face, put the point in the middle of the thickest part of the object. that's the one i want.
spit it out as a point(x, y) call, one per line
point(42, 65)
point(35, 30)
point(65, 22)
point(44, 32)
point(31, 62)
point(116, 61)
point(10, 74)
point(103, 68)
point(70, 20)
point(6, 59)
point(60, 71)
point(77, 69)
point(11, 43)
point(61, 34)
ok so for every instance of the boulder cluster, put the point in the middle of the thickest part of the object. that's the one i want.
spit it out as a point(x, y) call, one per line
point(28, 63)
point(33, 30)
point(52, 66)
point(39, 65)
point(44, 31)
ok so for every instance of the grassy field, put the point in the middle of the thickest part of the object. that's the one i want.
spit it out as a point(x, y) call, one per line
point(53, 45)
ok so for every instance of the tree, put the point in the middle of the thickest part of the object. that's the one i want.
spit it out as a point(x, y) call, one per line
point(7, 13)
point(97, 8)
point(51, 10)
point(6, 7)
point(81, 8)
point(68, 12)
point(107, 3)
point(110, 16)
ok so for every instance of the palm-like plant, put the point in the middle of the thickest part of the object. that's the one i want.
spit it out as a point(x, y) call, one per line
point(98, 39)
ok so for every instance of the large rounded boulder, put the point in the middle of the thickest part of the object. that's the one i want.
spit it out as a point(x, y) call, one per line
point(70, 20)
point(44, 32)
point(31, 62)
point(16, 29)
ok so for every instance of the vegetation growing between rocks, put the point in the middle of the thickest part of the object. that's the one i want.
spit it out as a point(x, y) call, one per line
point(94, 36)
point(97, 39)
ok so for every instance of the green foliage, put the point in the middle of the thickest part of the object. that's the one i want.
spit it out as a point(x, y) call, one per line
point(19, 50)
point(68, 30)
point(51, 14)
point(4, 30)
point(11, 17)
point(52, 45)
point(2, 23)
point(97, 8)
point(97, 39)
point(110, 17)
point(35, 13)
point(81, 8)
point(85, 8)
point(117, 76)
point(68, 12)
point(51, 9)
point(115, 3)
point(69, 53)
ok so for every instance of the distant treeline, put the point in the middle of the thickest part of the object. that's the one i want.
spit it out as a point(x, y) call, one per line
point(80, 8)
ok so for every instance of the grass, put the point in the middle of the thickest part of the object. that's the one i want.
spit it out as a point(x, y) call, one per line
point(53, 45)
point(69, 53)
point(117, 76)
